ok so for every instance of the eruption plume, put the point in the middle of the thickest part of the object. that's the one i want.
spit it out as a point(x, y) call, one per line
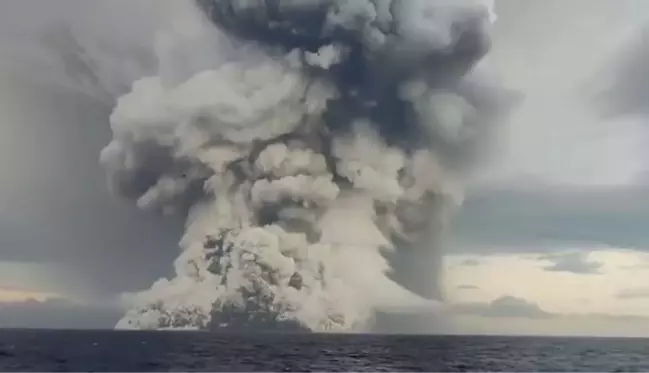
point(316, 147)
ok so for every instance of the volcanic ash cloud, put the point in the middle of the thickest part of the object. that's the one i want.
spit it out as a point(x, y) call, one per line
point(310, 144)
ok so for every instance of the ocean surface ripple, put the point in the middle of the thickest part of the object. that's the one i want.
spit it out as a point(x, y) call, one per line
point(35, 350)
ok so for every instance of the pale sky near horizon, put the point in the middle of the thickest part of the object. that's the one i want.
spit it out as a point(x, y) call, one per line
point(553, 238)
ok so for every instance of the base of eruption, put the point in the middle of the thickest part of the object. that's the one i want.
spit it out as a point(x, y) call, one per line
point(346, 229)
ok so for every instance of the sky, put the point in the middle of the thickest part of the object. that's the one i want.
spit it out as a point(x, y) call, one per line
point(552, 237)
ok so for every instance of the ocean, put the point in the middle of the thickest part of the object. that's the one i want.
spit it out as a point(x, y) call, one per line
point(47, 350)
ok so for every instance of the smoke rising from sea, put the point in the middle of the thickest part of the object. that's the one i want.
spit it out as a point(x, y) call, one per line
point(317, 148)
point(311, 144)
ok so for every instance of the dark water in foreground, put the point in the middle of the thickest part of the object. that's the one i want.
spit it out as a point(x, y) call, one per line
point(26, 350)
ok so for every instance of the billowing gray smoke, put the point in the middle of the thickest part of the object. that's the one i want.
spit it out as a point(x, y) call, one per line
point(316, 146)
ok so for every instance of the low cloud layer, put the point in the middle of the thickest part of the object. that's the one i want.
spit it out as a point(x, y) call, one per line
point(506, 306)
point(57, 314)
point(510, 307)
point(526, 219)
point(576, 262)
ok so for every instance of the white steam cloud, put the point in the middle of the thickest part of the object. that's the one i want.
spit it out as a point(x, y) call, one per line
point(313, 146)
